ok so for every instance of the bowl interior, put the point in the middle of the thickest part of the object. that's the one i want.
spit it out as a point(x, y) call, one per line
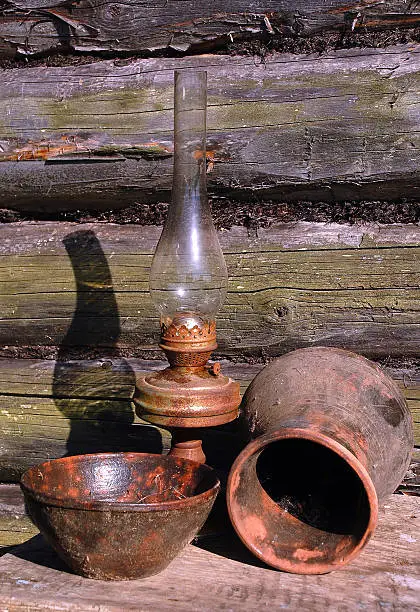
point(121, 478)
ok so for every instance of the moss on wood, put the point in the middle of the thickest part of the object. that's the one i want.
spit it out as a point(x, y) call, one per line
point(341, 127)
point(285, 290)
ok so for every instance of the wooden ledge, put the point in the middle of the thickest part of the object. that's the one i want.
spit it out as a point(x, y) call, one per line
point(218, 573)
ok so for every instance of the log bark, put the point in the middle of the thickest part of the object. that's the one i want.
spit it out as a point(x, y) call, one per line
point(219, 574)
point(343, 126)
point(67, 286)
point(29, 27)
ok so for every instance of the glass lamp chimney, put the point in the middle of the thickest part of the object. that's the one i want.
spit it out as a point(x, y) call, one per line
point(188, 277)
point(188, 283)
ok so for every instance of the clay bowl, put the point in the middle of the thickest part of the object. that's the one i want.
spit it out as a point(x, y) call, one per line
point(119, 516)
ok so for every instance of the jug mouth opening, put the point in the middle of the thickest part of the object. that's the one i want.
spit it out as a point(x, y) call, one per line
point(301, 501)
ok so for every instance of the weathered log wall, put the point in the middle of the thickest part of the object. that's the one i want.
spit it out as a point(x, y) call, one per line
point(70, 288)
point(343, 126)
point(29, 27)
point(67, 285)
point(49, 409)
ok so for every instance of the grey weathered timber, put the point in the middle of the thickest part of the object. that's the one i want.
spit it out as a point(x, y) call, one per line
point(411, 482)
point(49, 409)
point(106, 378)
point(37, 430)
point(66, 285)
point(219, 574)
point(28, 27)
point(341, 126)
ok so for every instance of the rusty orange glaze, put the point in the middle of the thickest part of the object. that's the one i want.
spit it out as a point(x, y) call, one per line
point(189, 393)
point(253, 524)
point(336, 417)
point(148, 476)
point(188, 340)
point(263, 540)
point(189, 449)
point(302, 554)
point(119, 515)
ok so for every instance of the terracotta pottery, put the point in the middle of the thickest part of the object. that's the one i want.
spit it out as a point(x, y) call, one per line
point(330, 436)
point(117, 516)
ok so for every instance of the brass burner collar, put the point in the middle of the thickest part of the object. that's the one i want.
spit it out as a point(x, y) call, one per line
point(189, 340)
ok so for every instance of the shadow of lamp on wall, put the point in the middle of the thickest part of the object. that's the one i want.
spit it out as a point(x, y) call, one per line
point(96, 396)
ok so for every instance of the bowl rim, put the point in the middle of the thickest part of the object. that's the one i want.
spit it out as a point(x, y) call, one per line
point(120, 506)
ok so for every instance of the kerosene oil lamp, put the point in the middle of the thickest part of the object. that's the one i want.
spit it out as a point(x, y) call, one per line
point(188, 282)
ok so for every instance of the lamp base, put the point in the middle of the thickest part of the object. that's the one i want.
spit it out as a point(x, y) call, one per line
point(190, 393)
point(186, 445)
point(187, 397)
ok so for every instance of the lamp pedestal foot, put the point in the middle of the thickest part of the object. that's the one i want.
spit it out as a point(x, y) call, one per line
point(186, 445)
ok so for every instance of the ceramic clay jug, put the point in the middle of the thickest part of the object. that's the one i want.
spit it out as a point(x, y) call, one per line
point(329, 436)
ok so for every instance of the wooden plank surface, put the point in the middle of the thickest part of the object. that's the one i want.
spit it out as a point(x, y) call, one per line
point(341, 126)
point(68, 285)
point(218, 573)
point(32, 26)
point(48, 411)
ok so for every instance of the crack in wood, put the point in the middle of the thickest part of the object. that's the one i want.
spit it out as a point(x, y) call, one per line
point(31, 28)
point(321, 135)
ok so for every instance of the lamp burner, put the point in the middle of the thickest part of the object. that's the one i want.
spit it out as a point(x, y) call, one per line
point(190, 393)
point(188, 340)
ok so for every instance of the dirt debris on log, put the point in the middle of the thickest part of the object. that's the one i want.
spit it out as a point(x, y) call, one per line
point(253, 214)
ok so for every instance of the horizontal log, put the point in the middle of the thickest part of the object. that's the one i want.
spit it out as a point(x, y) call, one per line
point(69, 285)
point(29, 27)
point(81, 415)
point(342, 126)
point(15, 525)
point(114, 378)
point(42, 429)
point(49, 409)
point(220, 574)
